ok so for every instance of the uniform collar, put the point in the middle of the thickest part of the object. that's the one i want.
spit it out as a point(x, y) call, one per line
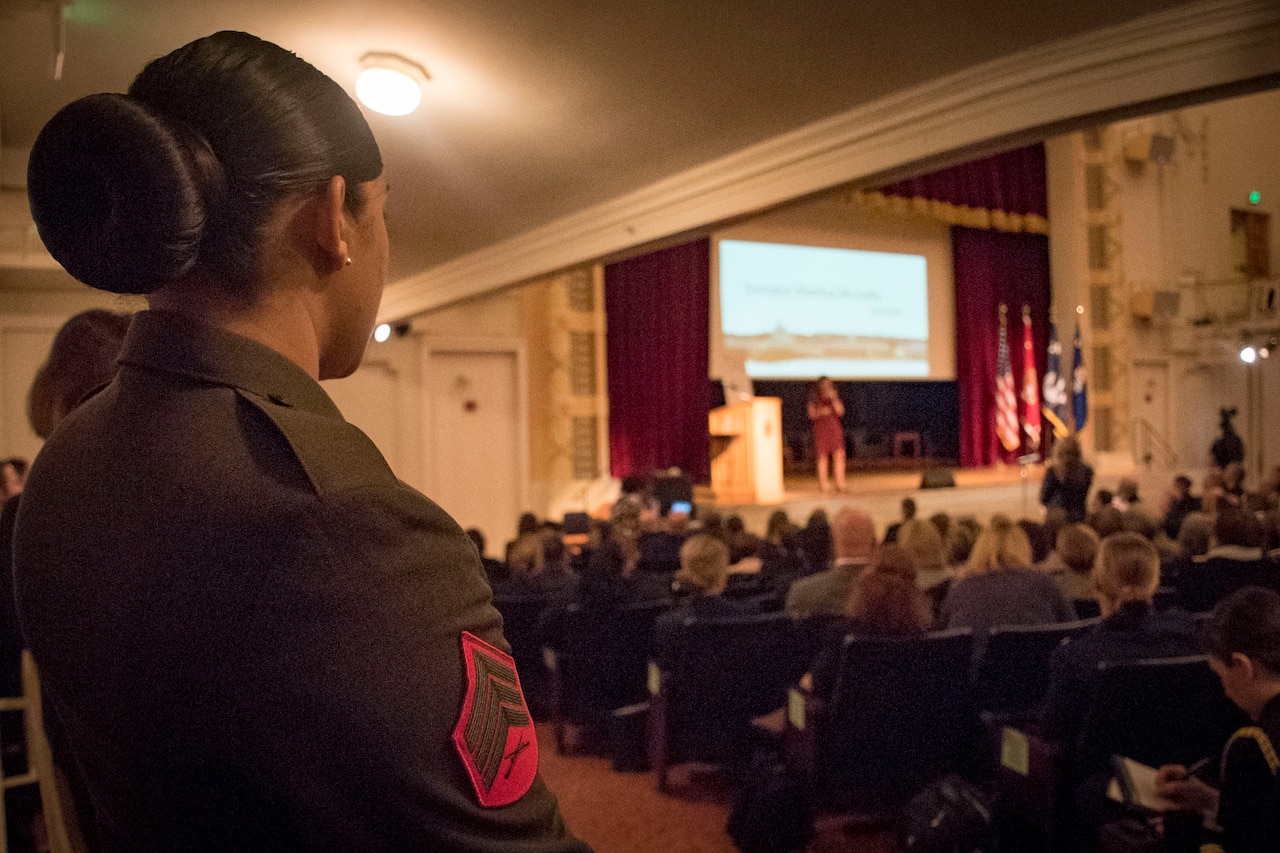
point(175, 343)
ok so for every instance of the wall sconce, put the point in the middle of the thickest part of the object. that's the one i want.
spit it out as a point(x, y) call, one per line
point(390, 84)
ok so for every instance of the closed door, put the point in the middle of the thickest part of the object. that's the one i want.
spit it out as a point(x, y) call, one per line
point(384, 400)
point(474, 437)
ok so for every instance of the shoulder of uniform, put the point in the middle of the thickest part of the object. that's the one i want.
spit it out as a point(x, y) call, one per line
point(334, 454)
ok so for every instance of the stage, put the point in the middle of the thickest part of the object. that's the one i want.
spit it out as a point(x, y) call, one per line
point(980, 492)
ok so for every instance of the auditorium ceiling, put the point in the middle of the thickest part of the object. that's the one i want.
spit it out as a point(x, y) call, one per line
point(540, 108)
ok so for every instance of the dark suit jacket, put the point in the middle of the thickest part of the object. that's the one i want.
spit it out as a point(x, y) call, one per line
point(1203, 583)
point(251, 630)
point(1133, 632)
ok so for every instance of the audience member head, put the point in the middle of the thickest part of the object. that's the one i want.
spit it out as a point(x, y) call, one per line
point(1234, 526)
point(1127, 491)
point(81, 360)
point(1195, 535)
point(1181, 486)
point(477, 539)
point(1242, 637)
point(175, 189)
point(1002, 546)
point(779, 527)
point(958, 543)
point(1137, 520)
point(713, 524)
point(908, 509)
point(525, 560)
point(922, 543)
point(1127, 569)
point(633, 485)
point(1102, 499)
point(888, 604)
point(13, 476)
point(942, 521)
point(1107, 520)
point(528, 523)
point(734, 526)
point(704, 564)
point(1077, 545)
point(853, 535)
point(895, 560)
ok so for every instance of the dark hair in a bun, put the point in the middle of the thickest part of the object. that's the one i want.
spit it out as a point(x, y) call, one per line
point(132, 192)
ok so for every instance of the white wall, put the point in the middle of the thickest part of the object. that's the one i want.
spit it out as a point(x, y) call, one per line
point(1174, 235)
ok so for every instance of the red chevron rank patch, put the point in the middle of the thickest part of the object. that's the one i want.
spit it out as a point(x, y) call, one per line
point(495, 734)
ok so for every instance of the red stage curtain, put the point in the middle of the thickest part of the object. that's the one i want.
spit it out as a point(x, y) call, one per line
point(1007, 192)
point(657, 318)
point(992, 267)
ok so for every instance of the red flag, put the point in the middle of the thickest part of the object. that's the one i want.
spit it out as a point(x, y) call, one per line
point(1030, 385)
point(1006, 400)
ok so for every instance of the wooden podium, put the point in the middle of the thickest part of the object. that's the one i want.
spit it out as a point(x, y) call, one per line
point(746, 451)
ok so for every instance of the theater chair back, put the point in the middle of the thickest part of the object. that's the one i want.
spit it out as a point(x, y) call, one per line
point(710, 678)
point(521, 625)
point(901, 714)
point(1157, 711)
point(1013, 672)
point(598, 655)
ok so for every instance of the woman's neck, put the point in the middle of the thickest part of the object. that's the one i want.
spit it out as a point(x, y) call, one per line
point(275, 320)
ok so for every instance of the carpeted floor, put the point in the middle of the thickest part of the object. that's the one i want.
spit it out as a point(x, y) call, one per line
point(624, 813)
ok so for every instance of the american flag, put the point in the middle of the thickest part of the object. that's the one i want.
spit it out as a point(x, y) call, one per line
point(1006, 400)
point(1030, 387)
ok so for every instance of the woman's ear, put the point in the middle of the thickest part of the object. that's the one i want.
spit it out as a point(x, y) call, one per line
point(330, 223)
point(1243, 665)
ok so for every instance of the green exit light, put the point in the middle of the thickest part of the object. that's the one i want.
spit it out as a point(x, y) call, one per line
point(1255, 197)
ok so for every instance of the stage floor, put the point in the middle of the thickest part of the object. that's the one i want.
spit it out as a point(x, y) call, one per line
point(980, 492)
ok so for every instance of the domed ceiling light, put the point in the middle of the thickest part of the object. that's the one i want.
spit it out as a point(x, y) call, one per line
point(390, 84)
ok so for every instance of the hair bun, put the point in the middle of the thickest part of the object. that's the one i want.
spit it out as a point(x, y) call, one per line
point(119, 194)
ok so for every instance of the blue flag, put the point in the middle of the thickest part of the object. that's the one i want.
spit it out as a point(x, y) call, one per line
point(1079, 385)
point(1055, 387)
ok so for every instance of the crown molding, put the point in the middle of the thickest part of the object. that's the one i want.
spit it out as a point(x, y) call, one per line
point(1191, 48)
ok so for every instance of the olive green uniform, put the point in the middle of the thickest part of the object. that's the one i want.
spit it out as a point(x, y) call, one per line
point(250, 628)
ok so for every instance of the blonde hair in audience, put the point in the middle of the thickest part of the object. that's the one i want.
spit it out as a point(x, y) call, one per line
point(923, 543)
point(704, 563)
point(1003, 545)
point(1127, 569)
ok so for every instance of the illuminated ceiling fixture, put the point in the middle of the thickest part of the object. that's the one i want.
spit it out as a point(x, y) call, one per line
point(1248, 355)
point(390, 84)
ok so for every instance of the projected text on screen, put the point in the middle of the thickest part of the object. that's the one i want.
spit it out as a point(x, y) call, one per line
point(804, 311)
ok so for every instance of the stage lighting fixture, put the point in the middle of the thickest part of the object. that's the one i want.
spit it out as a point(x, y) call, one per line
point(382, 333)
point(390, 84)
point(1248, 355)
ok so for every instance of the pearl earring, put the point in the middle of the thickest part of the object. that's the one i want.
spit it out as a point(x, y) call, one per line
point(347, 262)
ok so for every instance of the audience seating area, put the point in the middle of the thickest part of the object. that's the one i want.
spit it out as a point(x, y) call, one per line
point(902, 711)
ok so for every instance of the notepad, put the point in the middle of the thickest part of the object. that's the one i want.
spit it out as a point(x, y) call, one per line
point(1135, 785)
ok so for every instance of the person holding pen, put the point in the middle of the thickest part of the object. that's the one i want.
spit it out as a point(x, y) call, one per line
point(1242, 638)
